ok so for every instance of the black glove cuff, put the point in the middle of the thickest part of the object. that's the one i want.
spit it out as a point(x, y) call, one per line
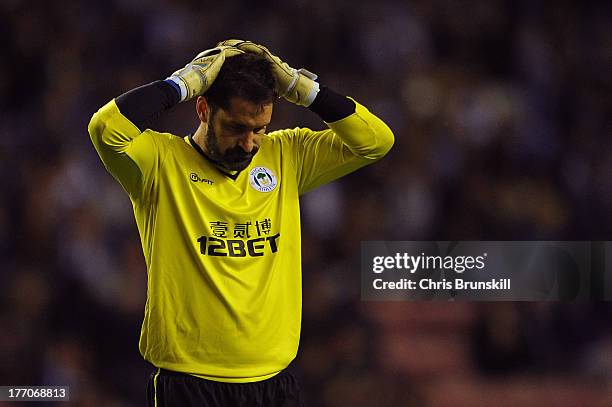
point(146, 103)
point(332, 106)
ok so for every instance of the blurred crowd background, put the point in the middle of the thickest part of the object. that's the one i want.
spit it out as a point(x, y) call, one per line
point(501, 111)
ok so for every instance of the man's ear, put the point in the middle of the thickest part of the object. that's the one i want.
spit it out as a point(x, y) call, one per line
point(202, 108)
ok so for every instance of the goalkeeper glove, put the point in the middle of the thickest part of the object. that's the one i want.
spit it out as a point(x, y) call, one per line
point(295, 85)
point(197, 76)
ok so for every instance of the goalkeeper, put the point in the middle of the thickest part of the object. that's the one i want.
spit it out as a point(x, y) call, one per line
point(219, 220)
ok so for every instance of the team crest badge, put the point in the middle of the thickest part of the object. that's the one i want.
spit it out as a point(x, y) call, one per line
point(262, 179)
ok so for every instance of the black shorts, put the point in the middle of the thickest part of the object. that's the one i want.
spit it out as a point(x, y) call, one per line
point(172, 389)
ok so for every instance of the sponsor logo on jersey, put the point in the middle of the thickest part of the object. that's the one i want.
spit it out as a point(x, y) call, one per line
point(214, 246)
point(220, 243)
point(196, 178)
point(262, 179)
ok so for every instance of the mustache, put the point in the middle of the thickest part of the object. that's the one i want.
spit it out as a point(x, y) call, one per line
point(237, 154)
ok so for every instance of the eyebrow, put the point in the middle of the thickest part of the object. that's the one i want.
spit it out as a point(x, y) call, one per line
point(242, 126)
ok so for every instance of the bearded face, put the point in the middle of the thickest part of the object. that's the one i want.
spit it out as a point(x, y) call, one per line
point(233, 135)
point(234, 158)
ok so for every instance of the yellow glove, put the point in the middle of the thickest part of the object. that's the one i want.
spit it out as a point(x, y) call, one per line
point(296, 85)
point(197, 76)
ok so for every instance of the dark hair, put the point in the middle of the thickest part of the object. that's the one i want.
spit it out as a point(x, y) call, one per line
point(248, 76)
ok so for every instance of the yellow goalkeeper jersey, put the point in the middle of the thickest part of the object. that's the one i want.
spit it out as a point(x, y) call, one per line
point(224, 291)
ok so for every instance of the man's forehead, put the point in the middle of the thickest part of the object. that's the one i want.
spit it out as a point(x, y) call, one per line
point(243, 110)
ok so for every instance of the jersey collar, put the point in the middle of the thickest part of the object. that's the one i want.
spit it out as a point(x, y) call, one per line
point(230, 174)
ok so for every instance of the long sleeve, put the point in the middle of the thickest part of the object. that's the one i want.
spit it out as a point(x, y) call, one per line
point(129, 153)
point(350, 143)
point(365, 134)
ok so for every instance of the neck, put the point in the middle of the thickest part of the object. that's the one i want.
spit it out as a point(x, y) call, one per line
point(200, 138)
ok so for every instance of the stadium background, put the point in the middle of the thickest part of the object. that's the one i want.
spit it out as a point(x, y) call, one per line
point(501, 113)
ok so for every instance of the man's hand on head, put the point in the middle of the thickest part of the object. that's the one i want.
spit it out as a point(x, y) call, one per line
point(197, 76)
point(295, 85)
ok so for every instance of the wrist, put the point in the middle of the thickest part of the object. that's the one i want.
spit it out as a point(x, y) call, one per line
point(332, 106)
point(178, 85)
point(304, 88)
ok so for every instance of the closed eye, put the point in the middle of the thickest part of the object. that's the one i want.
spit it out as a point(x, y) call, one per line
point(237, 128)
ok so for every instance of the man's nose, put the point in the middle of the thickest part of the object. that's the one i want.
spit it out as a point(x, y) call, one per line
point(248, 142)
